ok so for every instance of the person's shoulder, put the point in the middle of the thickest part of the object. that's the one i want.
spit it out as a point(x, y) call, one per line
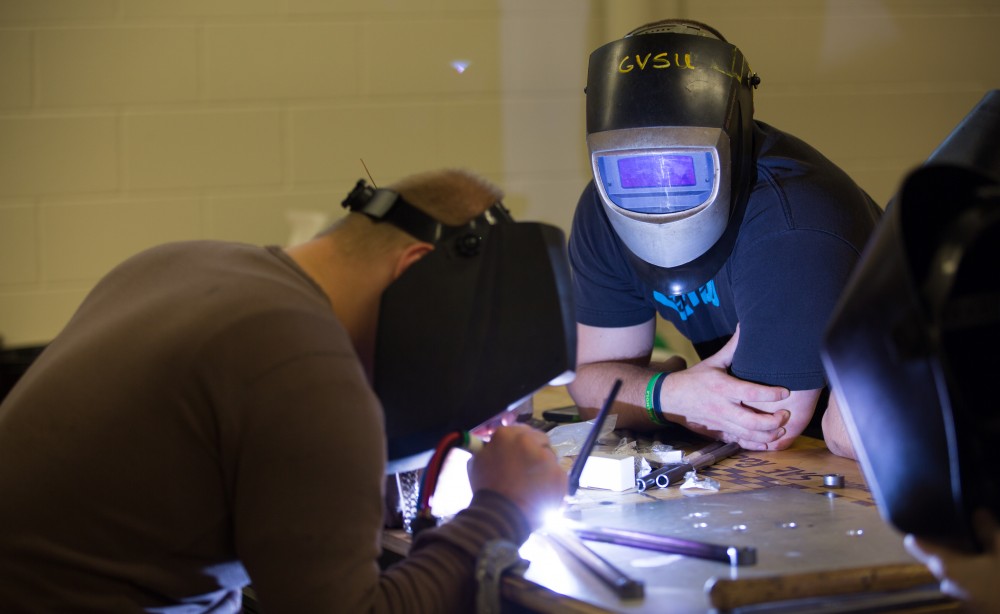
point(781, 150)
point(791, 163)
point(202, 250)
point(798, 188)
point(218, 248)
point(233, 283)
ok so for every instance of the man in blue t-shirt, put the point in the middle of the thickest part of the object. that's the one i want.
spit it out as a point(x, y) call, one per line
point(740, 235)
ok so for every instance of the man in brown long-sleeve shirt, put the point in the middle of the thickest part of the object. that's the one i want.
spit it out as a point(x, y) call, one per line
point(206, 419)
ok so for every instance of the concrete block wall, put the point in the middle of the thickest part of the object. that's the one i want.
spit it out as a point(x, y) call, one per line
point(127, 123)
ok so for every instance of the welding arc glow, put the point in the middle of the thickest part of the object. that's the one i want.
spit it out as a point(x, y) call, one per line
point(460, 65)
point(553, 519)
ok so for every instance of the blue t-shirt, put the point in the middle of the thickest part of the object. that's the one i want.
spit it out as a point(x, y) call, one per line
point(805, 225)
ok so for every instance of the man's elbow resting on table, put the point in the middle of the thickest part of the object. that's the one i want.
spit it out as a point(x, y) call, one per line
point(838, 440)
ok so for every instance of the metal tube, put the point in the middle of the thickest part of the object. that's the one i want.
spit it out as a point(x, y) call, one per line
point(734, 555)
point(624, 586)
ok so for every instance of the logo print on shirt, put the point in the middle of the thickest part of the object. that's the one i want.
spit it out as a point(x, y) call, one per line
point(684, 304)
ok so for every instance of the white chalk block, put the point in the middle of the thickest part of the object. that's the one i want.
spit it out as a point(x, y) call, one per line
point(608, 472)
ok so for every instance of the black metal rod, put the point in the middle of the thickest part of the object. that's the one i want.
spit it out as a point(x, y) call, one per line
point(624, 586)
point(588, 444)
point(651, 479)
point(708, 455)
point(673, 471)
point(734, 555)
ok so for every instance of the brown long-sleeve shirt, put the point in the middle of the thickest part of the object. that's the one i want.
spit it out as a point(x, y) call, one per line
point(203, 421)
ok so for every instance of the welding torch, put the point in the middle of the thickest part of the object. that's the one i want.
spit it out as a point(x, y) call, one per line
point(429, 477)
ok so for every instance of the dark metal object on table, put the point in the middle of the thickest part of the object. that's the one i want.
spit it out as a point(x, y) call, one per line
point(675, 472)
point(705, 457)
point(624, 586)
point(833, 480)
point(734, 555)
point(588, 444)
point(649, 480)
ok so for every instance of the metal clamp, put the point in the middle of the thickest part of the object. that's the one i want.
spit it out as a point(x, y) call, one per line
point(497, 558)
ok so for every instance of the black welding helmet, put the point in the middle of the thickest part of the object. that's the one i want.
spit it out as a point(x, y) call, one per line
point(911, 348)
point(474, 327)
point(669, 131)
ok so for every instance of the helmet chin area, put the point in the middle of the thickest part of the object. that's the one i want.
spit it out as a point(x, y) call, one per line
point(666, 190)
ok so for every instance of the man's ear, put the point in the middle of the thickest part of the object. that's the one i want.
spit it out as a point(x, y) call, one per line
point(412, 253)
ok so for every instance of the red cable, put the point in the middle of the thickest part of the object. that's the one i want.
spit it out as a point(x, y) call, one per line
point(429, 479)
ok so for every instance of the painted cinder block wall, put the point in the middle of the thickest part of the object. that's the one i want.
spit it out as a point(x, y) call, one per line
point(127, 123)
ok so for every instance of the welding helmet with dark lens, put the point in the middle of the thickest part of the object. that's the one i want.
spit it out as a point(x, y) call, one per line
point(911, 347)
point(911, 355)
point(471, 329)
point(670, 136)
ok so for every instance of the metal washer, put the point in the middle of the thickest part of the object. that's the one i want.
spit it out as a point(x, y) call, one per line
point(833, 480)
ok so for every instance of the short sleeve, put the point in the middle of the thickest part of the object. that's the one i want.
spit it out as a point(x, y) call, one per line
point(798, 245)
point(786, 290)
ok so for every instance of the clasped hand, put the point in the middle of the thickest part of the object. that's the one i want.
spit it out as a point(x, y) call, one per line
point(706, 399)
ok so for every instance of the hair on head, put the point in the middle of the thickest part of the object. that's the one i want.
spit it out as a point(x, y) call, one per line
point(451, 196)
point(679, 26)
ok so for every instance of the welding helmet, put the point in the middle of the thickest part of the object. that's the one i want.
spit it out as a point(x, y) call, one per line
point(670, 136)
point(911, 347)
point(911, 353)
point(471, 329)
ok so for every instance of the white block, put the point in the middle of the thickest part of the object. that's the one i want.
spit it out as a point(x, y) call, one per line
point(608, 472)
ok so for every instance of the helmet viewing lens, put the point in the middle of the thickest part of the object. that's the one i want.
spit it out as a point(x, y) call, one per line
point(660, 182)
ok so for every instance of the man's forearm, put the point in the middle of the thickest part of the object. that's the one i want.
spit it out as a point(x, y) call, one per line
point(593, 382)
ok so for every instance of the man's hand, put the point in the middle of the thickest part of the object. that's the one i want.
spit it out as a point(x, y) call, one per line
point(703, 398)
point(969, 577)
point(519, 464)
point(707, 400)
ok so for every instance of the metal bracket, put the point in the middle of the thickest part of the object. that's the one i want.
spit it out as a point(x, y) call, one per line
point(498, 557)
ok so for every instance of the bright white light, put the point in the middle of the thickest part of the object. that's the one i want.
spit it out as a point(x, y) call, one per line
point(460, 65)
point(553, 519)
point(453, 493)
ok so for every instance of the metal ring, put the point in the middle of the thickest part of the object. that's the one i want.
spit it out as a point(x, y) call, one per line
point(833, 480)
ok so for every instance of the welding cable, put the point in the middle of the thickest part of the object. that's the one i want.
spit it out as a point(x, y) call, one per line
point(429, 477)
point(431, 473)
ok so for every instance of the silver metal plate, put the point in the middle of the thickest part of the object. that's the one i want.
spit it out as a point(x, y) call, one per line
point(793, 531)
